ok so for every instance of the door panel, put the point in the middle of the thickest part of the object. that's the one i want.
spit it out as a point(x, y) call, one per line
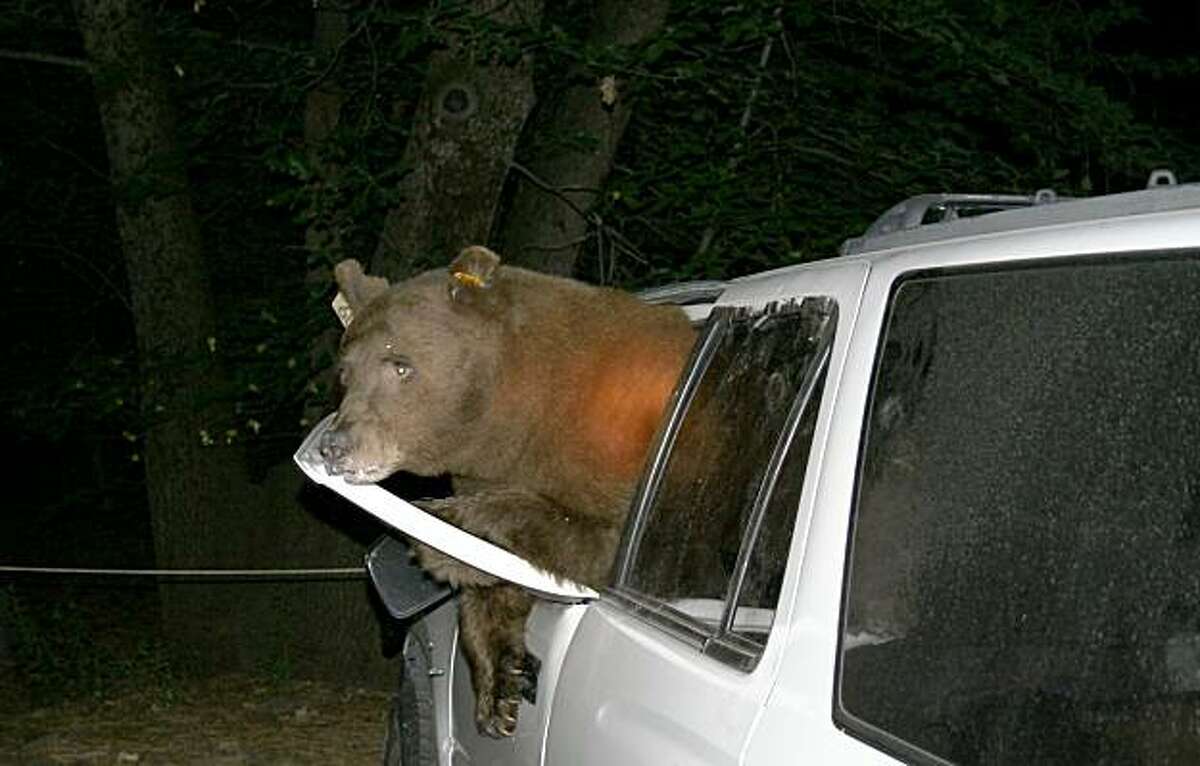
point(630, 696)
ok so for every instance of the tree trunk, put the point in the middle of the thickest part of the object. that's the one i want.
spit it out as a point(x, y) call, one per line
point(322, 113)
point(192, 488)
point(322, 239)
point(573, 145)
point(464, 134)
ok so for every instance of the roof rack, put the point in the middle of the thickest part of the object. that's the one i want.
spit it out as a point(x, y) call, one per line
point(1161, 177)
point(925, 209)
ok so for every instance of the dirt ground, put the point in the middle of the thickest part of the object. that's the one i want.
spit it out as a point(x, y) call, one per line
point(228, 721)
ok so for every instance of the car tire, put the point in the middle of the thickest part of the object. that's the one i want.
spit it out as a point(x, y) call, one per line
point(411, 730)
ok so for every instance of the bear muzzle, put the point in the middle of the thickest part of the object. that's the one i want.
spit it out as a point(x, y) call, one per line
point(344, 457)
point(335, 450)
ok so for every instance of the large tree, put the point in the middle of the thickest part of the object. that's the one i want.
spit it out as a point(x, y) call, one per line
point(478, 94)
point(191, 480)
point(569, 154)
point(205, 511)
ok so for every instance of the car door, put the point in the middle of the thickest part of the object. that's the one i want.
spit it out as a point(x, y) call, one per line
point(675, 661)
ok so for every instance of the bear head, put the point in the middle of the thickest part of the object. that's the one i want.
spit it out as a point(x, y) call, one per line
point(418, 361)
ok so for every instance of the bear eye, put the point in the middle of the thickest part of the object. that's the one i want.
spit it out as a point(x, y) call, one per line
point(402, 368)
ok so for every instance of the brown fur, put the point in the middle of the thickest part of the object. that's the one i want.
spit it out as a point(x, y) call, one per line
point(540, 394)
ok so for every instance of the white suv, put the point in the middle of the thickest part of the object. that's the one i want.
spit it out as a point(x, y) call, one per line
point(936, 500)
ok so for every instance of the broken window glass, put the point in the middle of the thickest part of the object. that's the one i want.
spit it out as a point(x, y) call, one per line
point(1024, 582)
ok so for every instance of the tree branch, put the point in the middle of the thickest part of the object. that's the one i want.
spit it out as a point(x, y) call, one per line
point(546, 187)
point(592, 218)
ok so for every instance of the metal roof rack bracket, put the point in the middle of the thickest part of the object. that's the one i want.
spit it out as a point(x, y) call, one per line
point(1161, 177)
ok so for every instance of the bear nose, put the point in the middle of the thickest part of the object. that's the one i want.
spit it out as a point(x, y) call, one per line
point(334, 446)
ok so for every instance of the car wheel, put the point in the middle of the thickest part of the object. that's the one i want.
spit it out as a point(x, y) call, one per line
point(411, 731)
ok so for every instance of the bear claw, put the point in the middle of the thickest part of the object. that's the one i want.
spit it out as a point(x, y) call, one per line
point(502, 723)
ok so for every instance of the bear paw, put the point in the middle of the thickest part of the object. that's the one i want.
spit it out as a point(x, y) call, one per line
point(497, 718)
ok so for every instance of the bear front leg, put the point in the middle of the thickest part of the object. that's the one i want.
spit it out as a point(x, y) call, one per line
point(550, 536)
point(492, 615)
point(492, 631)
point(448, 569)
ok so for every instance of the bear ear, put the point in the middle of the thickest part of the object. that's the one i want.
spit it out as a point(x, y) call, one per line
point(355, 289)
point(472, 272)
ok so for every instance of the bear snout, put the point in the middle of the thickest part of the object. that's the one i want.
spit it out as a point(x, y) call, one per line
point(334, 449)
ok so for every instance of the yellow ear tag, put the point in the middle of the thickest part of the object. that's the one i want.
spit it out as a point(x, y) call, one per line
point(468, 279)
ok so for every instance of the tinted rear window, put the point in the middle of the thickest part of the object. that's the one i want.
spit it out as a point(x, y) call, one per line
point(1024, 579)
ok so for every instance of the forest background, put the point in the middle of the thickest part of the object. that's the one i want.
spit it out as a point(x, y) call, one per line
point(180, 178)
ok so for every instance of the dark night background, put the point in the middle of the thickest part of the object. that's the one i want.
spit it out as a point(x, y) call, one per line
point(180, 177)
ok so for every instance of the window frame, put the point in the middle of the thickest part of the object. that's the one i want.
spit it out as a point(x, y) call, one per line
point(717, 639)
point(865, 732)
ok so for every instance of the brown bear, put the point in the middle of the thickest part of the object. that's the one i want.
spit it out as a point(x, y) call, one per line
point(538, 395)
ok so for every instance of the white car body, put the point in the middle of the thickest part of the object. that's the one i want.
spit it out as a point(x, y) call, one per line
point(615, 687)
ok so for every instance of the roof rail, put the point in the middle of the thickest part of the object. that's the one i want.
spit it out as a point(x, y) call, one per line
point(924, 209)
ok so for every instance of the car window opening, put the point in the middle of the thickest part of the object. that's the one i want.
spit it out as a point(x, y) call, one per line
point(710, 540)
